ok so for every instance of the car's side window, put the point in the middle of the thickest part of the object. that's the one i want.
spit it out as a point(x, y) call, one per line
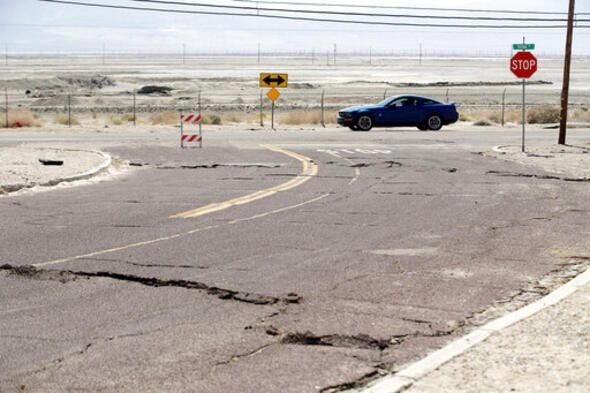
point(397, 103)
point(428, 102)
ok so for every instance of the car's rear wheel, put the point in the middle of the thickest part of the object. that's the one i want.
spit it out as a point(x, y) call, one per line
point(434, 122)
point(364, 123)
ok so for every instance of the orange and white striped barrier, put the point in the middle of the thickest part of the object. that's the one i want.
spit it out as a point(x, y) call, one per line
point(191, 118)
point(191, 138)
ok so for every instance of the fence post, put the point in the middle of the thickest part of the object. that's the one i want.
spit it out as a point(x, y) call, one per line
point(200, 121)
point(70, 110)
point(385, 94)
point(134, 111)
point(322, 106)
point(503, 105)
point(447, 96)
point(6, 105)
point(272, 116)
point(261, 110)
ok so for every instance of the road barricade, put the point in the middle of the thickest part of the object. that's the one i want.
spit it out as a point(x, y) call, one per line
point(191, 118)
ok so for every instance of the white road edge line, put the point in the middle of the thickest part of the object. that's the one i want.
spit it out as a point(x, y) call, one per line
point(410, 374)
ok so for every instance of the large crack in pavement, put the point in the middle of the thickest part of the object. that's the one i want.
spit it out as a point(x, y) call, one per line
point(537, 176)
point(207, 166)
point(573, 264)
point(64, 276)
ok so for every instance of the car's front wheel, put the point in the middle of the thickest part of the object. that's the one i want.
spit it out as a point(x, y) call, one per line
point(422, 127)
point(364, 123)
point(434, 122)
point(354, 128)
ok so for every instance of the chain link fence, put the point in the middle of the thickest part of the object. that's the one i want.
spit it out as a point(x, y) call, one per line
point(250, 106)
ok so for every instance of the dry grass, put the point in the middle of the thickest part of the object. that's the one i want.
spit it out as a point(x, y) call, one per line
point(63, 119)
point(582, 114)
point(212, 118)
point(128, 117)
point(483, 123)
point(117, 120)
point(493, 116)
point(543, 114)
point(164, 118)
point(306, 117)
point(22, 116)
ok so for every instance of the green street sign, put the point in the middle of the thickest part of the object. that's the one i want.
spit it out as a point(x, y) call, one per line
point(523, 46)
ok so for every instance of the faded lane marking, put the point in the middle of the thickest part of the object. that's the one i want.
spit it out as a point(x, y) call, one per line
point(279, 210)
point(309, 170)
point(411, 252)
point(126, 247)
point(177, 235)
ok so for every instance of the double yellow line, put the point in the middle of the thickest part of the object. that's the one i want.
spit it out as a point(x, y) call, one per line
point(309, 169)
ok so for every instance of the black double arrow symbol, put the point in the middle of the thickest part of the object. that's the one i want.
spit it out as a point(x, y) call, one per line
point(279, 80)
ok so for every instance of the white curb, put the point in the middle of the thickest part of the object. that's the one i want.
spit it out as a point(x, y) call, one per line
point(107, 162)
point(406, 377)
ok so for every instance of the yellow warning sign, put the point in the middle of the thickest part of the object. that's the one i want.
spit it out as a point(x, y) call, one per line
point(274, 80)
point(273, 94)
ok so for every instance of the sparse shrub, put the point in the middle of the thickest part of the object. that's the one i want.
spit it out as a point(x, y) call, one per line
point(232, 117)
point(482, 123)
point(543, 114)
point(64, 119)
point(464, 117)
point(581, 114)
point(165, 117)
point(212, 119)
point(117, 120)
point(496, 117)
point(128, 117)
point(491, 116)
point(306, 117)
point(22, 116)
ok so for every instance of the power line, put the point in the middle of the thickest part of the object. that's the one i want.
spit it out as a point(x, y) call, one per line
point(467, 10)
point(350, 14)
point(273, 29)
point(300, 18)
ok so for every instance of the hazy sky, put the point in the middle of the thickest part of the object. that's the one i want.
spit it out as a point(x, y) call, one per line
point(32, 26)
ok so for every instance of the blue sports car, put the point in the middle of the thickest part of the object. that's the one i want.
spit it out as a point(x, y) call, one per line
point(400, 111)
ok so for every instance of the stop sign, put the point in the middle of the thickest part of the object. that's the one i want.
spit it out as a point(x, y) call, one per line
point(523, 64)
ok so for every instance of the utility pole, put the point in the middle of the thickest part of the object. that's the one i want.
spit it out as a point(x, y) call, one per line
point(334, 54)
point(566, 74)
point(420, 55)
point(370, 56)
point(183, 53)
point(312, 55)
point(6, 54)
point(103, 55)
point(6, 106)
point(259, 53)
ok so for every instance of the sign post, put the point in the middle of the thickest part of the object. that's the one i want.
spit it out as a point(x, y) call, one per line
point(523, 65)
point(273, 81)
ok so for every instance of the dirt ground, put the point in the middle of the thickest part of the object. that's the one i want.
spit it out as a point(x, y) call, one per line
point(84, 91)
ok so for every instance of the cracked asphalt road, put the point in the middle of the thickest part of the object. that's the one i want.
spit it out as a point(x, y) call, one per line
point(380, 258)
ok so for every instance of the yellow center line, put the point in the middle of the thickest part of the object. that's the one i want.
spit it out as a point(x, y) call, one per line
point(309, 170)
